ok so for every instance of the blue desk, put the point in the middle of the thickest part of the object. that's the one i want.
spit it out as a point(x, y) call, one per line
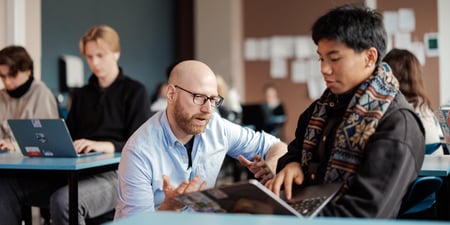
point(436, 166)
point(72, 167)
point(439, 166)
point(174, 218)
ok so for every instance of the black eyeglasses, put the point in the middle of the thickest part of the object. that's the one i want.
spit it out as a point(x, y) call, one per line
point(200, 99)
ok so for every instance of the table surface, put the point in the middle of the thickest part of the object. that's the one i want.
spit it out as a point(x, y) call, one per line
point(175, 218)
point(435, 166)
point(17, 161)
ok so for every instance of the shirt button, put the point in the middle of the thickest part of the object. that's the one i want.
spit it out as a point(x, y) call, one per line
point(331, 104)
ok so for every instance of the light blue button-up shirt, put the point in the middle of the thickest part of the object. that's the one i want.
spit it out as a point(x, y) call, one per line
point(153, 151)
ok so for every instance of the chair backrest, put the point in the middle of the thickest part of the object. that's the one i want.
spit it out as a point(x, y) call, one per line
point(432, 147)
point(419, 190)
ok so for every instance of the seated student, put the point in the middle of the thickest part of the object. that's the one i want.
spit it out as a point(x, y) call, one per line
point(229, 110)
point(275, 115)
point(103, 114)
point(158, 98)
point(22, 97)
point(361, 131)
point(408, 71)
point(189, 141)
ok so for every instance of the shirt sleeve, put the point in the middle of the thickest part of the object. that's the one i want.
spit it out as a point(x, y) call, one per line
point(135, 186)
point(45, 104)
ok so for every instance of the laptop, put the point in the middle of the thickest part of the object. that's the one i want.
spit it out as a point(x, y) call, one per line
point(252, 197)
point(443, 116)
point(44, 138)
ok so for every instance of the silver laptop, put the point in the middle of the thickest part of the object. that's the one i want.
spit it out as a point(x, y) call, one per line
point(252, 197)
point(44, 138)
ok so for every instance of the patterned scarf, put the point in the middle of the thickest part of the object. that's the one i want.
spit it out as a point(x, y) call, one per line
point(367, 106)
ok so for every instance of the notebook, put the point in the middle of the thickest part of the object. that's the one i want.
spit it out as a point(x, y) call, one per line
point(252, 197)
point(44, 138)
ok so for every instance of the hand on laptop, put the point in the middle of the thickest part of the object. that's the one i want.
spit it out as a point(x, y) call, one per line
point(292, 172)
point(85, 146)
point(6, 145)
point(170, 203)
point(259, 168)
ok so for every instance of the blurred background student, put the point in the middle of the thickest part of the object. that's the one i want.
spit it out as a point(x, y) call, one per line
point(158, 98)
point(274, 112)
point(22, 96)
point(408, 71)
point(231, 108)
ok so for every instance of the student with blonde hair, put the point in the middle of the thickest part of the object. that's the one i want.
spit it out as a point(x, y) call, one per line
point(103, 115)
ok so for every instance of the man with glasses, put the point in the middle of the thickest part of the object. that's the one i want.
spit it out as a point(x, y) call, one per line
point(182, 149)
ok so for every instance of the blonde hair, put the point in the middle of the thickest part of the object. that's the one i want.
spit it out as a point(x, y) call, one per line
point(104, 36)
point(222, 86)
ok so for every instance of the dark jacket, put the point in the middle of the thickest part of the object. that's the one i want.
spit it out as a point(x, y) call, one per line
point(393, 158)
point(110, 114)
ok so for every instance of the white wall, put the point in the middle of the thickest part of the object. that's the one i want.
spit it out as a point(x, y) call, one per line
point(218, 38)
point(21, 25)
point(444, 51)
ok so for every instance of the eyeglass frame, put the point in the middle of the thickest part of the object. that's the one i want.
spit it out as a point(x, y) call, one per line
point(213, 99)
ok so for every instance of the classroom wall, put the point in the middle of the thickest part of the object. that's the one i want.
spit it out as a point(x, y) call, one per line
point(266, 18)
point(26, 36)
point(146, 29)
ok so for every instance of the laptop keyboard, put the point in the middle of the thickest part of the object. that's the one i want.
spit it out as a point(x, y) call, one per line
point(308, 206)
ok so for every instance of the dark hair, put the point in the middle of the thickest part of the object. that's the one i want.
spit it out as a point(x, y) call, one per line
point(17, 59)
point(358, 27)
point(408, 71)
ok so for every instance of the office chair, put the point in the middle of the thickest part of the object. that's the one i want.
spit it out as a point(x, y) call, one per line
point(420, 198)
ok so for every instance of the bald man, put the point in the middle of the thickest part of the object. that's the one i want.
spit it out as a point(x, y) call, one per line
point(182, 149)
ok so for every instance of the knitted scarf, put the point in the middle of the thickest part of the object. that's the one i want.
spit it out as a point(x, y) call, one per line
point(370, 101)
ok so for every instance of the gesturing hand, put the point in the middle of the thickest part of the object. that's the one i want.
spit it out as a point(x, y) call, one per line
point(170, 203)
point(259, 168)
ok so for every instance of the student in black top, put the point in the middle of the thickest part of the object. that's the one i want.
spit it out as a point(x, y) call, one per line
point(274, 113)
point(103, 114)
point(361, 131)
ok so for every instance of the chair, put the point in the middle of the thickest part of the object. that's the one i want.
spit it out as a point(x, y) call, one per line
point(420, 198)
point(253, 116)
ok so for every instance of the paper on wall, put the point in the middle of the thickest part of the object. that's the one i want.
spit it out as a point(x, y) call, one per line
point(402, 40)
point(281, 47)
point(315, 83)
point(390, 19)
point(299, 71)
point(304, 47)
point(278, 68)
point(74, 71)
point(406, 20)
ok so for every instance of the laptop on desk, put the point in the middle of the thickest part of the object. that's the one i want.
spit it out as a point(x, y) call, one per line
point(254, 198)
point(44, 138)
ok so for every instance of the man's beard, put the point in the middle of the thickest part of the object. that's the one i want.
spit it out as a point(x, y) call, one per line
point(185, 122)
